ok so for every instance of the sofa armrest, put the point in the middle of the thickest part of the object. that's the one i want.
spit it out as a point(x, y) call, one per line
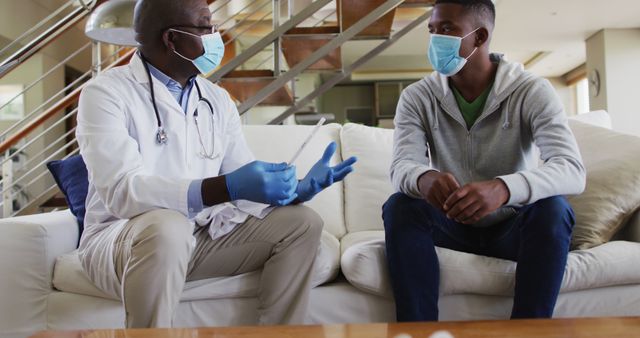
point(29, 246)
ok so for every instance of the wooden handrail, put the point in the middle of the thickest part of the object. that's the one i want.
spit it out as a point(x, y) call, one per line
point(64, 103)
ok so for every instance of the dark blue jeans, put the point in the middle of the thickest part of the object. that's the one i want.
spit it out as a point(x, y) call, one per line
point(537, 238)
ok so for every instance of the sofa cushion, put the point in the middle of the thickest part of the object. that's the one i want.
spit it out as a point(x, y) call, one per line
point(612, 193)
point(279, 143)
point(364, 265)
point(369, 186)
point(71, 177)
point(69, 276)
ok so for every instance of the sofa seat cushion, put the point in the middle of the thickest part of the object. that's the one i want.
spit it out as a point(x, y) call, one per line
point(68, 276)
point(364, 264)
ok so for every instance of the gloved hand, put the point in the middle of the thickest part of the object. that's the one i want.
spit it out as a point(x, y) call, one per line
point(263, 182)
point(321, 175)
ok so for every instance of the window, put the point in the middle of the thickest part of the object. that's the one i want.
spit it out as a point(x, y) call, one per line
point(12, 102)
point(582, 96)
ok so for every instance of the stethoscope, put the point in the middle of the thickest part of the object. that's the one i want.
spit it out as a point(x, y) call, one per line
point(161, 135)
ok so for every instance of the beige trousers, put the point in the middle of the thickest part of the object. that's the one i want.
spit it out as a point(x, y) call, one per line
point(154, 256)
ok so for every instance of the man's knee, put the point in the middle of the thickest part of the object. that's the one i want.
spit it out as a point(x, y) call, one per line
point(400, 207)
point(554, 217)
point(165, 231)
point(396, 206)
point(303, 219)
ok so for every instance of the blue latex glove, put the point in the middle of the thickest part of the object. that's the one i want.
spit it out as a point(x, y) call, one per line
point(263, 182)
point(321, 175)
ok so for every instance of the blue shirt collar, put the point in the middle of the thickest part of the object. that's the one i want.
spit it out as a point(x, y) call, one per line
point(167, 80)
point(162, 77)
point(175, 89)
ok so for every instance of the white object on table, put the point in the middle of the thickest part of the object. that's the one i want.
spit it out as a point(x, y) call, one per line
point(441, 334)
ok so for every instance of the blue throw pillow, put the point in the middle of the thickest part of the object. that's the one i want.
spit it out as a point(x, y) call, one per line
point(72, 179)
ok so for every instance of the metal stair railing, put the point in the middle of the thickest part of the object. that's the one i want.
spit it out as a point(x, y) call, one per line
point(242, 21)
point(267, 40)
point(35, 171)
point(325, 50)
point(19, 181)
point(31, 121)
point(84, 77)
point(46, 37)
point(27, 133)
point(39, 25)
point(319, 54)
point(348, 70)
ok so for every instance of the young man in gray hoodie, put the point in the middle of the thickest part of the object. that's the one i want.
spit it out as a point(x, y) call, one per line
point(482, 158)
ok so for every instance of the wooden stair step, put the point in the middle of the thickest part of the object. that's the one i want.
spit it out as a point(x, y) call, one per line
point(229, 48)
point(351, 11)
point(418, 3)
point(243, 84)
point(256, 73)
point(313, 30)
point(300, 42)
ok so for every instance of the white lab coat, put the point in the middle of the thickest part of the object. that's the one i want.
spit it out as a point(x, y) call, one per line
point(129, 173)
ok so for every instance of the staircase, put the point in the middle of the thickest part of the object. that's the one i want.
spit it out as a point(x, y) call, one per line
point(269, 44)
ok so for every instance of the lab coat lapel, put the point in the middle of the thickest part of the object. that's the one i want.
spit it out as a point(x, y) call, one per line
point(192, 102)
point(160, 89)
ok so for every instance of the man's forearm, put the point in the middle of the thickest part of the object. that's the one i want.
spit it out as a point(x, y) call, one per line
point(425, 181)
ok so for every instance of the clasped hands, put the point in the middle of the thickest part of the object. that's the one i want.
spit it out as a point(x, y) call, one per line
point(467, 204)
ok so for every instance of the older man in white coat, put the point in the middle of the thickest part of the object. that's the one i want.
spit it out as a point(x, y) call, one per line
point(163, 148)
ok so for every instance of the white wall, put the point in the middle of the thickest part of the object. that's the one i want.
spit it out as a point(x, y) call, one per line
point(623, 78)
point(615, 53)
point(566, 94)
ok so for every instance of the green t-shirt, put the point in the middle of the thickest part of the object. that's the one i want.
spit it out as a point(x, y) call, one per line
point(471, 110)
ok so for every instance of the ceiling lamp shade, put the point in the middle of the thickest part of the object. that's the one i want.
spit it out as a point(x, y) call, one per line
point(112, 22)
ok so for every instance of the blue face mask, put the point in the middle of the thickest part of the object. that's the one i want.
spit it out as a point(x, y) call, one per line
point(213, 52)
point(444, 53)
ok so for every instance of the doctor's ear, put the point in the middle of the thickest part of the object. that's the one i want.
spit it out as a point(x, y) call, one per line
point(167, 39)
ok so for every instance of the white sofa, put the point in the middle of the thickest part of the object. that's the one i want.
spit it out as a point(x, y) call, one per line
point(43, 287)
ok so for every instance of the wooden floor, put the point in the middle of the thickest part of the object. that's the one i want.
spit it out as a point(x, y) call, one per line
point(560, 328)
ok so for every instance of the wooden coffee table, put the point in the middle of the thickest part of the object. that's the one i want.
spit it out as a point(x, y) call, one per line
point(560, 328)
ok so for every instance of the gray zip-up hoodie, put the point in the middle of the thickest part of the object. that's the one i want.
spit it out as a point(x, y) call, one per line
point(521, 112)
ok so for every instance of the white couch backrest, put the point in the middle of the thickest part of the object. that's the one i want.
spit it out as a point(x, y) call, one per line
point(279, 143)
point(369, 186)
point(598, 118)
